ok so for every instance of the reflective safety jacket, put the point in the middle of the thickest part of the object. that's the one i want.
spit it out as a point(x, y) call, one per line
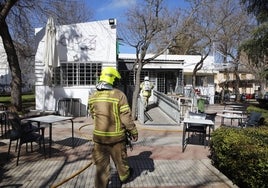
point(112, 116)
point(146, 88)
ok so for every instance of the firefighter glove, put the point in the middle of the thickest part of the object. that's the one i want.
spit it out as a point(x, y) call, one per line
point(134, 137)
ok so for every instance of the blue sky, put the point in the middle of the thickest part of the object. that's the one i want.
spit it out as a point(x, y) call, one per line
point(105, 9)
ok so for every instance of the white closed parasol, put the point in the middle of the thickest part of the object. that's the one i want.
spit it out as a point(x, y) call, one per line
point(51, 58)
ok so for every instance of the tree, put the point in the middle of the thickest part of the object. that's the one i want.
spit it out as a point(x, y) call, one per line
point(255, 49)
point(11, 55)
point(257, 7)
point(216, 26)
point(198, 35)
point(15, 24)
point(254, 54)
point(221, 25)
point(152, 28)
point(234, 26)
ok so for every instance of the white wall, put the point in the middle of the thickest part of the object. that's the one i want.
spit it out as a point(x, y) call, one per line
point(3, 56)
point(27, 71)
point(82, 42)
point(47, 97)
point(92, 41)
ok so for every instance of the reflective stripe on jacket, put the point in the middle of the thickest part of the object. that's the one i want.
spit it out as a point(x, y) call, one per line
point(112, 116)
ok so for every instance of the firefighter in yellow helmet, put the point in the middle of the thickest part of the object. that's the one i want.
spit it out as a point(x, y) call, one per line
point(112, 120)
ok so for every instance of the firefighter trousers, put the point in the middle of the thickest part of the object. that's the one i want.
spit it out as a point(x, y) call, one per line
point(101, 157)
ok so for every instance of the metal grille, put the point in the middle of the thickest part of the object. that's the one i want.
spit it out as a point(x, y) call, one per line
point(161, 82)
point(129, 77)
point(71, 74)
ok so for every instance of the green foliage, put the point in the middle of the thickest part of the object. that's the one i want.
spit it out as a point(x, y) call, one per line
point(258, 8)
point(256, 47)
point(241, 154)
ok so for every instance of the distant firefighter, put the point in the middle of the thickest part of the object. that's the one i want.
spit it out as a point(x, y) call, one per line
point(146, 91)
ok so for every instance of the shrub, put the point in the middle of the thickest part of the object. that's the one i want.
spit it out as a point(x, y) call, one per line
point(241, 154)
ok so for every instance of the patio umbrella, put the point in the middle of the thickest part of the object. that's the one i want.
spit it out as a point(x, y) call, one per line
point(51, 58)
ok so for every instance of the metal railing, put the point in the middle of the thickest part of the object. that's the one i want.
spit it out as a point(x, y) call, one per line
point(174, 106)
point(168, 105)
point(164, 102)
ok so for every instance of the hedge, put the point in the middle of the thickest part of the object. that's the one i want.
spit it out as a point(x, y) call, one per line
point(242, 155)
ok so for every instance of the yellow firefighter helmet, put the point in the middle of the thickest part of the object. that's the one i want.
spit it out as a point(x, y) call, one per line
point(109, 74)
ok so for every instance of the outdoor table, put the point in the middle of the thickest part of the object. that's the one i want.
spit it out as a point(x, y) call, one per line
point(233, 111)
point(196, 122)
point(234, 107)
point(50, 119)
point(232, 117)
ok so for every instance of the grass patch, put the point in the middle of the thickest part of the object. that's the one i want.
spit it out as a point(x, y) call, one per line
point(28, 100)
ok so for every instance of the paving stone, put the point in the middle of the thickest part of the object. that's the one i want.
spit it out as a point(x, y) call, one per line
point(156, 158)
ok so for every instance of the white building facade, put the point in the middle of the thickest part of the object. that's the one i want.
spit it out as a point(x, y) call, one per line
point(5, 77)
point(172, 74)
point(83, 49)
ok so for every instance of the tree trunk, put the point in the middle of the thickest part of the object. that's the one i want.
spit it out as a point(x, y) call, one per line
point(197, 67)
point(136, 90)
point(14, 66)
point(237, 84)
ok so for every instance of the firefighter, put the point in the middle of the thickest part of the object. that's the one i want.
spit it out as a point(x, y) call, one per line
point(112, 122)
point(146, 91)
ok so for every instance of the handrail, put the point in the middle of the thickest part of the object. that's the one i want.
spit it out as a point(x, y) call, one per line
point(168, 105)
point(172, 105)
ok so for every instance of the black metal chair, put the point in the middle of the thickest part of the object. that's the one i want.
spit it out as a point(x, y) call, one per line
point(212, 117)
point(254, 119)
point(4, 126)
point(24, 133)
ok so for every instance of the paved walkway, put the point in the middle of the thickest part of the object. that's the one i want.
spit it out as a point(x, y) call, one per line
point(157, 160)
